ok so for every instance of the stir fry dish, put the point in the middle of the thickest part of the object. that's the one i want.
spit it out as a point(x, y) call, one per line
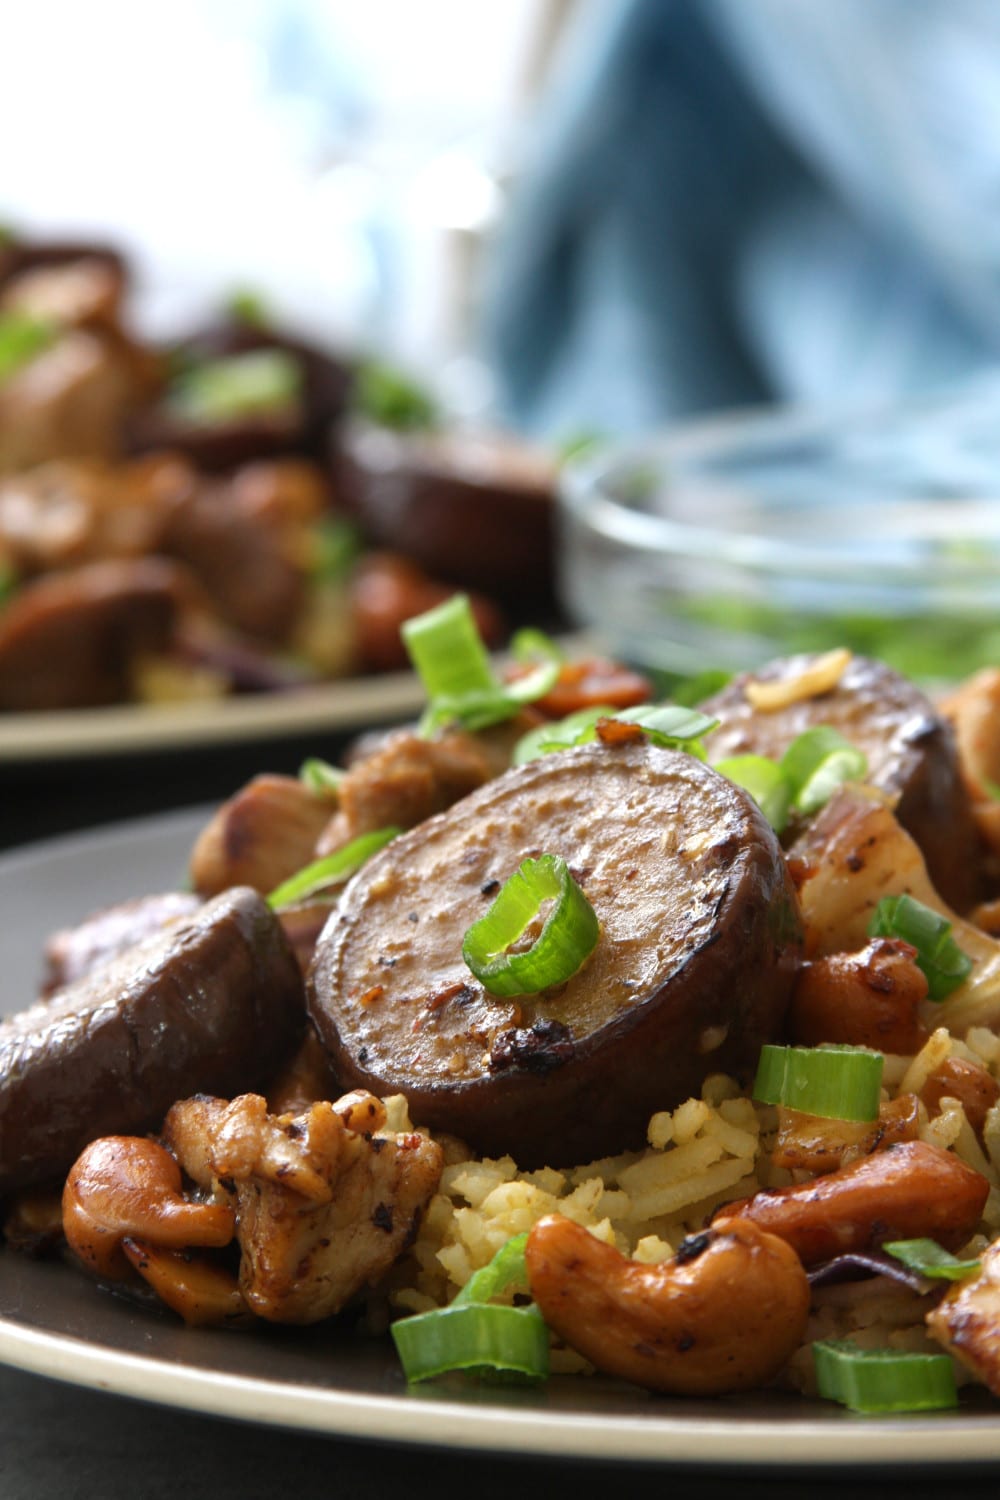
point(219, 516)
point(562, 1031)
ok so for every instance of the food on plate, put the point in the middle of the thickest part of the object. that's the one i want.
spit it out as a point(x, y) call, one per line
point(216, 453)
point(476, 508)
point(567, 1054)
point(149, 581)
point(212, 1001)
point(910, 748)
point(695, 964)
point(242, 390)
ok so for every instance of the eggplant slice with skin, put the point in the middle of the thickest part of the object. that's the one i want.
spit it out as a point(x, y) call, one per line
point(213, 1004)
point(700, 937)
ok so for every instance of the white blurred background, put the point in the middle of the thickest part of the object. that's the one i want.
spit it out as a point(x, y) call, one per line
point(346, 160)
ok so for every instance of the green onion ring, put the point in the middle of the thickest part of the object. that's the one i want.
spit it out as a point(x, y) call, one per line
point(883, 1380)
point(567, 939)
point(837, 1083)
point(334, 869)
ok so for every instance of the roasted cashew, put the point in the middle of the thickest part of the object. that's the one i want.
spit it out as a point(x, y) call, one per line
point(724, 1315)
point(976, 1090)
point(907, 1192)
point(870, 998)
point(198, 1290)
point(127, 1185)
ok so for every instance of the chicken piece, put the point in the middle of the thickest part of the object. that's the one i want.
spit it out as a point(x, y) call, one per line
point(69, 402)
point(245, 555)
point(80, 293)
point(967, 1321)
point(404, 782)
point(71, 640)
point(853, 854)
point(261, 836)
point(323, 1208)
point(66, 512)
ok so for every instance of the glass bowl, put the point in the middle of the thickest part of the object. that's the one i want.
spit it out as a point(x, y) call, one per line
point(733, 541)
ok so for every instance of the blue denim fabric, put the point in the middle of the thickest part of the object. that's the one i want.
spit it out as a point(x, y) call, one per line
point(735, 201)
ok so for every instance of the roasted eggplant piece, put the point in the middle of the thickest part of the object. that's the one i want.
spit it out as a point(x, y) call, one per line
point(699, 942)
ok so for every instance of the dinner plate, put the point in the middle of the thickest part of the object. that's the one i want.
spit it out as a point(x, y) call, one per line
point(331, 1379)
point(66, 734)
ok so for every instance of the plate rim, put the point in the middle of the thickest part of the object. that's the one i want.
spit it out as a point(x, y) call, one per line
point(71, 734)
point(660, 1434)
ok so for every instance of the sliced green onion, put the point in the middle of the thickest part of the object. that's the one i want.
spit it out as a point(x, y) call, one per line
point(8, 582)
point(337, 547)
point(668, 725)
point(392, 399)
point(335, 869)
point(931, 1259)
point(765, 781)
point(529, 644)
point(562, 734)
point(475, 1336)
point(883, 1380)
point(938, 955)
point(261, 382)
point(451, 661)
point(447, 650)
point(838, 1083)
point(479, 1339)
point(507, 1269)
point(567, 939)
point(817, 762)
point(320, 777)
point(248, 307)
point(22, 338)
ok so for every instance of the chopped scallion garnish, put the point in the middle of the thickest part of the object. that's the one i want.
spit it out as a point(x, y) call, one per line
point(815, 764)
point(451, 660)
point(22, 338)
point(837, 1083)
point(667, 725)
point(480, 1339)
point(567, 939)
point(765, 781)
point(336, 548)
point(333, 870)
point(394, 399)
point(883, 1380)
point(474, 1335)
point(939, 957)
point(320, 777)
point(529, 644)
point(931, 1259)
point(260, 383)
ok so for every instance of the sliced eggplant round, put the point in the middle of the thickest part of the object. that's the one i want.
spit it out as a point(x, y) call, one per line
point(700, 937)
point(910, 748)
point(212, 1004)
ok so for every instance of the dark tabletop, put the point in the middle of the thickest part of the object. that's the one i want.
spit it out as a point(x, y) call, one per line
point(58, 1440)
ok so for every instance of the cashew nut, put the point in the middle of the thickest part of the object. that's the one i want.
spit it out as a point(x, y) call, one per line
point(724, 1315)
point(870, 998)
point(196, 1288)
point(127, 1185)
point(906, 1192)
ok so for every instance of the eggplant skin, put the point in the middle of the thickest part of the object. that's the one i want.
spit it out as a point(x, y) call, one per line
point(212, 1005)
point(700, 941)
point(911, 749)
